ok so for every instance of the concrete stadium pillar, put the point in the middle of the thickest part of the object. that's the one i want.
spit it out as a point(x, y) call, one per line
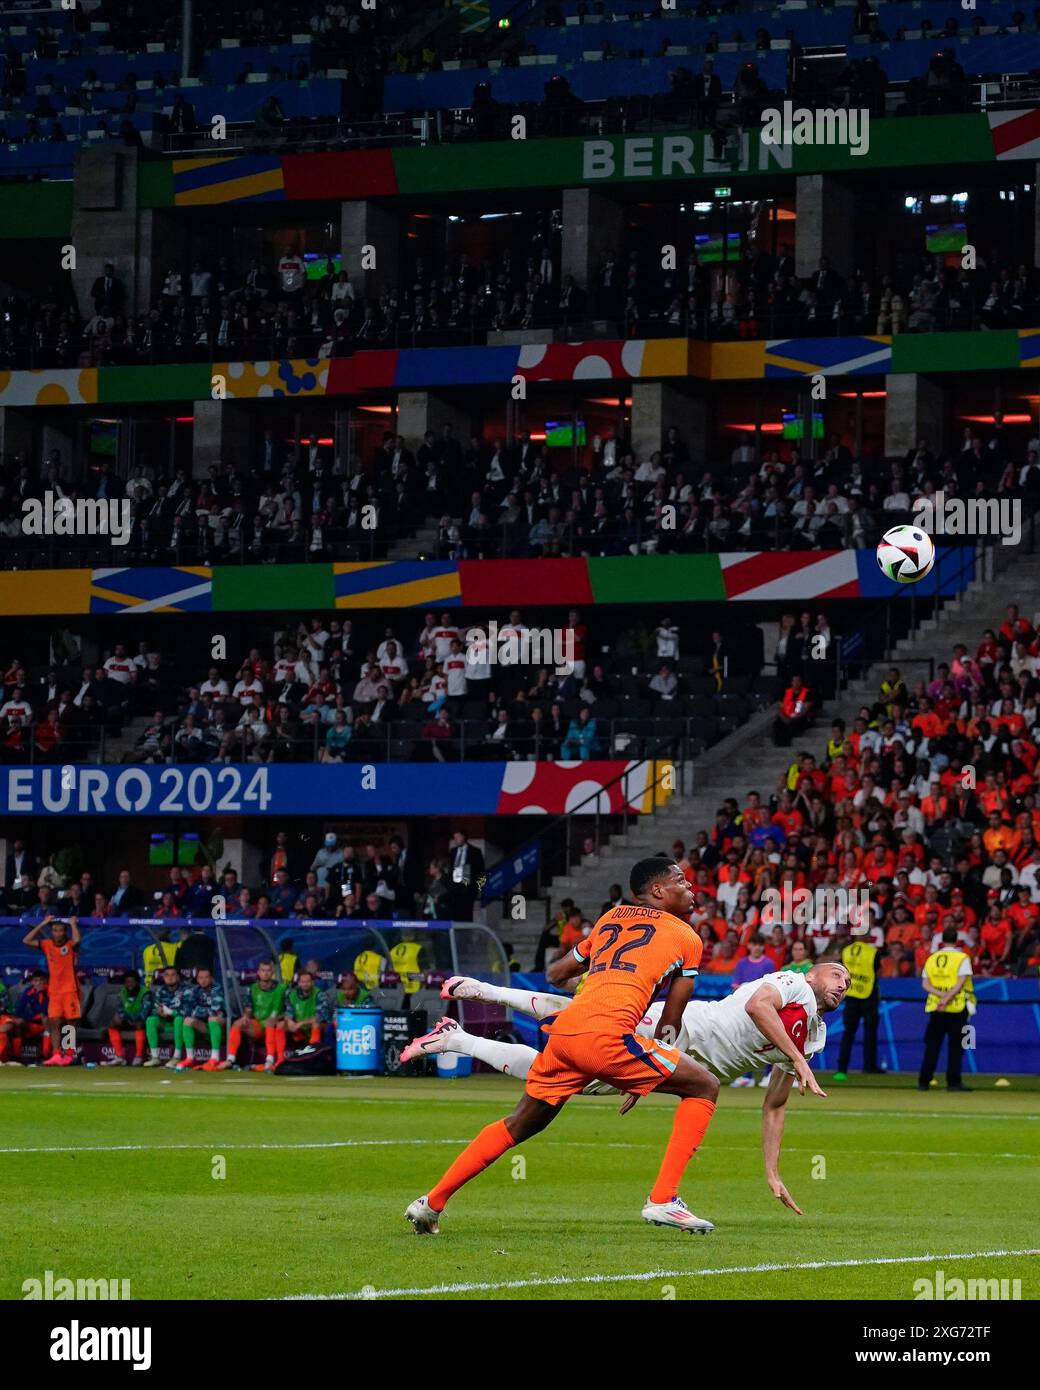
point(162, 245)
point(592, 224)
point(916, 408)
point(16, 436)
point(369, 224)
point(104, 224)
point(656, 406)
point(419, 411)
point(826, 212)
point(221, 434)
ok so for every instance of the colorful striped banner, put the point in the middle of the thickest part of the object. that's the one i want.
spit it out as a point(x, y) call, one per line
point(603, 362)
point(397, 584)
point(186, 589)
point(780, 576)
point(247, 178)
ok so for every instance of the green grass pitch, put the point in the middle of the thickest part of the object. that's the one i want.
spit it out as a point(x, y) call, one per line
point(111, 1174)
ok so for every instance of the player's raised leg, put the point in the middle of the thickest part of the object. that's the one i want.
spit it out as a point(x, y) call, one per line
point(514, 1059)
point(536, 1004)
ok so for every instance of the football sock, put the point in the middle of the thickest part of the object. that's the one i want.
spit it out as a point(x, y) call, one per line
point(116, 1040)
point(216, 1032)
point(688, 1129)
point(491, 1143)
point(524, 1001)
point(513, 1058)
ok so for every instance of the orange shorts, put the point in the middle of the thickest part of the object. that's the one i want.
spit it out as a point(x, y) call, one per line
point(628, 1063)
point(63, 1005)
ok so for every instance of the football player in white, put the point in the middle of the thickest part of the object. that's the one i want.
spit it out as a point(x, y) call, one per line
point(772, 1022)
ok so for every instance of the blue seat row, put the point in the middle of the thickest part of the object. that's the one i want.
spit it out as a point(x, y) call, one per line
point(588, 81)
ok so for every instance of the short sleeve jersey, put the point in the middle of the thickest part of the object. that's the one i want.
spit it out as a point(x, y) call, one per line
point(721, 1035)
point(631, 952)
point(61, 966)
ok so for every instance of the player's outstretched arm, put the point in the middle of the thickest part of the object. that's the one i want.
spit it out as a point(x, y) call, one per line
point(763, 1008)
point(774, 1109)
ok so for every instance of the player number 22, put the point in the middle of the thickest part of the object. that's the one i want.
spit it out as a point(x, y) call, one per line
point(646, 932)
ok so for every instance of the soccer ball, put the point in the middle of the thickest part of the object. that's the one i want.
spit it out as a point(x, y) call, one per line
point(905, 554)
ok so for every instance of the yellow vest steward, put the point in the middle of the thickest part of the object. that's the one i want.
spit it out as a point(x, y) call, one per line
point(942, 969)
point(287, 964)
point(405, 959)
point(157, 957)
point(858, 960)
point(368, 967)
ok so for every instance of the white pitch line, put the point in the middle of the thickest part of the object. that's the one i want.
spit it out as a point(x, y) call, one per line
point(217, 1146)
point(550, 1140)
point(563, 1280)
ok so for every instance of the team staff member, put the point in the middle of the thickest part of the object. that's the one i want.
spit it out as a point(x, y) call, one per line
point(947, 980)
point(861, 960)
point(63, 1006)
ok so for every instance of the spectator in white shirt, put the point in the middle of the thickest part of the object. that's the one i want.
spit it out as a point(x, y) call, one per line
point(119, 667)
point(478, 664)
point(17, 707)
point(456, 671)
point(292, 274)
point(392, 663)
point(443, 636)
point(667, 636)
point(214, 684)
point(729, 891)
point(246, 686)
point(664, 684)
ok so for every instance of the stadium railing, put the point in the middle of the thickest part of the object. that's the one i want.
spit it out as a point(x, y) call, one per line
point(503, 540)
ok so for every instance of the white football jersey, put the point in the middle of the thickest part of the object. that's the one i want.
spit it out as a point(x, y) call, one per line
point(720, 1035)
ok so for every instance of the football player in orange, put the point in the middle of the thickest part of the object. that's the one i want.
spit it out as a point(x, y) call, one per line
point(630, 953)
point(63, 1008)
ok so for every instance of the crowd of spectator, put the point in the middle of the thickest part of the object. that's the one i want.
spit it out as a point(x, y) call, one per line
point(309, 307)
point(929, 804)
point(488, 499)
point(448, 691)
point(340, 880)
